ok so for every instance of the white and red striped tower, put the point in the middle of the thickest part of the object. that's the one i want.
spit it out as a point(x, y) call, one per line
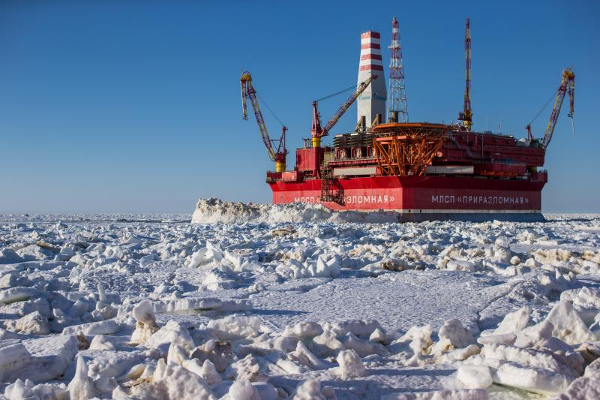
point(372, 101)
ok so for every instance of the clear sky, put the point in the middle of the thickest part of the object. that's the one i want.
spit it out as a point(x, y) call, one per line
point(134, 106)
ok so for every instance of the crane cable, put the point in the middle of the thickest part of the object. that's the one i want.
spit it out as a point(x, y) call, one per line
point(269, 108)
point(572, 125)
point(336, 93)
point(543, 108)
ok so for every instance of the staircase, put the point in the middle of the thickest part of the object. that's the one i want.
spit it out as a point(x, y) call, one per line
point(331, 189)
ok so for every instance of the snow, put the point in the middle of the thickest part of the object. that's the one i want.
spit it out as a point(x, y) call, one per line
point(474, 376)
point(304, 330)
point(311, 389)
point(81, 386)
point(530, 378)
point(514, 322)
point(350, 365)
point(15, 294)
point(455, 334)
point(33, 323)
point(172, 333)
point(8, 256)
point(217, 211)
point(268, 302)
point(172, 382)
point(106, 327)
point(468, 394)
point(585, 387)
point(243, 390)
point(568, 325)
point(144, 313)
point(36, 359)
point(13, 357)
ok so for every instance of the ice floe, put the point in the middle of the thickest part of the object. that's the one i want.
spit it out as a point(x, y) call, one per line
point(271, 302)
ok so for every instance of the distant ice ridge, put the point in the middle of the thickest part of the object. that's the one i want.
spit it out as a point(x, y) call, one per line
point(210, 211)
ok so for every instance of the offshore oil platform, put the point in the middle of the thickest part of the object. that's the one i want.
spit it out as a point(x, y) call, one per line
point(421, 170)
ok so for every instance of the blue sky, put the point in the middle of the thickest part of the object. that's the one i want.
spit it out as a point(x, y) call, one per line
point(134, 106)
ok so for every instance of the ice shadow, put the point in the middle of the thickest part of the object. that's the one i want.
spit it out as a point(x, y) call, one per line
point(411, 372)
point(364, 388)
point(267, 312)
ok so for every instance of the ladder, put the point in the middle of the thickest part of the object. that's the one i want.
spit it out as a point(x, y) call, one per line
point(331, 189)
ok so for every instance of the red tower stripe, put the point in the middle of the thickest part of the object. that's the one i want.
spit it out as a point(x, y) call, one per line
point(374, 35)
point(370, 67)
point(371, 56)
point(370, 46)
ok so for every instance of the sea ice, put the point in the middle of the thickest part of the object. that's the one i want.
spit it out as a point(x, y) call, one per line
point(311, 390)
point(81, 387)
point(475, 376)
point(350, 365)
point(466, 394)
point(455, 334)
point(144, 312)
point(586, 387)
point(8, 256)
point(514, 322)
point(33, 323)
point(172, 332)
point(289, 296)
point(304, 330)
point(243, 390)
point(568, 325)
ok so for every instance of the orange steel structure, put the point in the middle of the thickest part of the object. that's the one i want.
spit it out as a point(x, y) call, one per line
point(407, 148)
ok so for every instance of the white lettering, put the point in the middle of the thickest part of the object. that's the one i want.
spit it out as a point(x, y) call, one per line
point(435, 199)
point(451, 199)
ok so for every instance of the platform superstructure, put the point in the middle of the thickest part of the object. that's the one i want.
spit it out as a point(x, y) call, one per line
point(421, 170)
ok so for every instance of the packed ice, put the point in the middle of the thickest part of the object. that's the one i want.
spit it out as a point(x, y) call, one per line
point(261, 302)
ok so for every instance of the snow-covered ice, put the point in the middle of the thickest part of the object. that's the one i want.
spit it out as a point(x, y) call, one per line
point(275, 302)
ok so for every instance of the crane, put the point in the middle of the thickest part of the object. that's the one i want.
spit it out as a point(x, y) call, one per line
point(317, 132)
point(567, 85)
point(466, 116)
point(275, 148)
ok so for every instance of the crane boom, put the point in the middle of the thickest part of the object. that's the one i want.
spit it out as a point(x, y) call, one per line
point(567, 85)
point(317, 132)
point(466, 116)
point(278, 155)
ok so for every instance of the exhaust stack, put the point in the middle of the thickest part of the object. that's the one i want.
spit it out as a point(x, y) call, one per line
point(372, 101)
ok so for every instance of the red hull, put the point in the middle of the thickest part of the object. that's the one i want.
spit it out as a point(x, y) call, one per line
point(421, 194)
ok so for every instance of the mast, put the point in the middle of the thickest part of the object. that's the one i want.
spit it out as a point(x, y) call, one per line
point(467, 116)
point(397, 105)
